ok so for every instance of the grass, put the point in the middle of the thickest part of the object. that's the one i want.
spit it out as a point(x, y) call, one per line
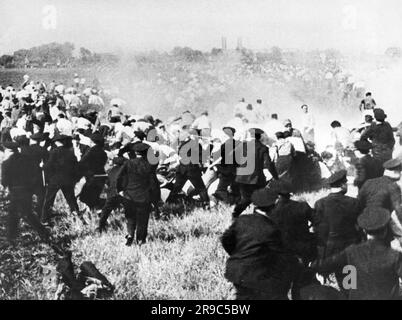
point(183, 258)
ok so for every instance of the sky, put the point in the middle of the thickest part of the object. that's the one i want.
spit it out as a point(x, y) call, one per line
point(136, 25)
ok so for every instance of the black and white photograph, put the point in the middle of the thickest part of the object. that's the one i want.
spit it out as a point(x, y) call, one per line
point(212, 153)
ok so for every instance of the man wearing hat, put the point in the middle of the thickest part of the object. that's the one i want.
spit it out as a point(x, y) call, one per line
point(251, 173)
point(135, 178)
point(113, 199)
point(378, 266)
point(366, 166)
point(16, 175)
point(384, 192)
point(92, 167)
point(227, 167)
point(293, 219)
point(335, 219)
point(61, 171)
point(258, 266)
point(191, 156)
point(38, 156)
point(381, 136)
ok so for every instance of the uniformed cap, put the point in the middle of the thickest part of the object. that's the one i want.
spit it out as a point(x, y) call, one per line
point(374, 218)
point(97, 138)
point(393, 164)
point(61, 137)
point(256, 131)
point(39, 136)
point(119, 161)
point(140, 147)
point(281, 187)
point(363, 145)
point(12, 145)
point(264, 198)
point(140, 134)
point(337, 178)
point(379, 114)
point(229, 128)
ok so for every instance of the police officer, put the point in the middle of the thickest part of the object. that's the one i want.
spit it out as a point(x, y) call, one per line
point(227, 168)
point(335, 219)
point(135, 178)
point(190, 153)
point(378, 266)
point(92, 167)
point(16, 175)
point(294, 218)
point(382, 137)
point(251, 174)
point(258, 266)
point(366, 166)
point(61, 171)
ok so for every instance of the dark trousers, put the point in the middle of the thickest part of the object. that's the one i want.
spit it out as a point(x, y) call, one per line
point(197, 182)
point(137, 215)
point(244, 293)
point(246, 191)
point(39, 191)
point(21, 207)
point(226, 181)
point(91, 191)
point(112, 203)
point(51, 192)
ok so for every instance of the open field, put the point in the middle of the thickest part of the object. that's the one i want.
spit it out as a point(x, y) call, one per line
point(183, 258)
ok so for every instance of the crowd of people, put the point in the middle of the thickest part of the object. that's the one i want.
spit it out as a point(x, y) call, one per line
point(57, 138)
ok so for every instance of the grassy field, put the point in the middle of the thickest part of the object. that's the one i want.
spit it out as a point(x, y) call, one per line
point(183, 258)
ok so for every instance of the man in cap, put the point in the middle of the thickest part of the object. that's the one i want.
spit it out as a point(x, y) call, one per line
point(113, 199)
point(191, 159)
point(335, 219)
point(38, 156)
point(227, 168)
point(16, 175)
point(294, 218)
point(92, 167)
point(384, 192)
point(252, 173)
point(378, 266)
point(258, 266)
point(135, 180)
point(61, 171)
point(308, 124)
point(366, 166)
point(293, 131)
point(381, 135)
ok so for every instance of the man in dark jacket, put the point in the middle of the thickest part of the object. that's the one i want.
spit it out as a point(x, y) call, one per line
point(293, 219)
point(17, 177)
point(190, 153)
point(366, 166)
point(382, 137)
point(137, 193)
point(378, 266)
point(113, 199)
point(335, 218)
point(384, 192)
point(39, 156)
point(258, 266)
point(251, 174)
point(61, 171)
point(227, 168)
point(92, 167)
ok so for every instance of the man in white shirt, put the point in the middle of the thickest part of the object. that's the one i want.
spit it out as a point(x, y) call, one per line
point(64, 126)
point(308, 124)
point(203, 124)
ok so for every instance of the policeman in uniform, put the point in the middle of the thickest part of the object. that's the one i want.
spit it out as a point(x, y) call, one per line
point(335, 219)
point(61, 171)
point(190, 153)
point(227, 168)
point(135, 178)
point(251, 174)
point(366, 166)
point(378, 266)
point(258, 266)
point(16, 175)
